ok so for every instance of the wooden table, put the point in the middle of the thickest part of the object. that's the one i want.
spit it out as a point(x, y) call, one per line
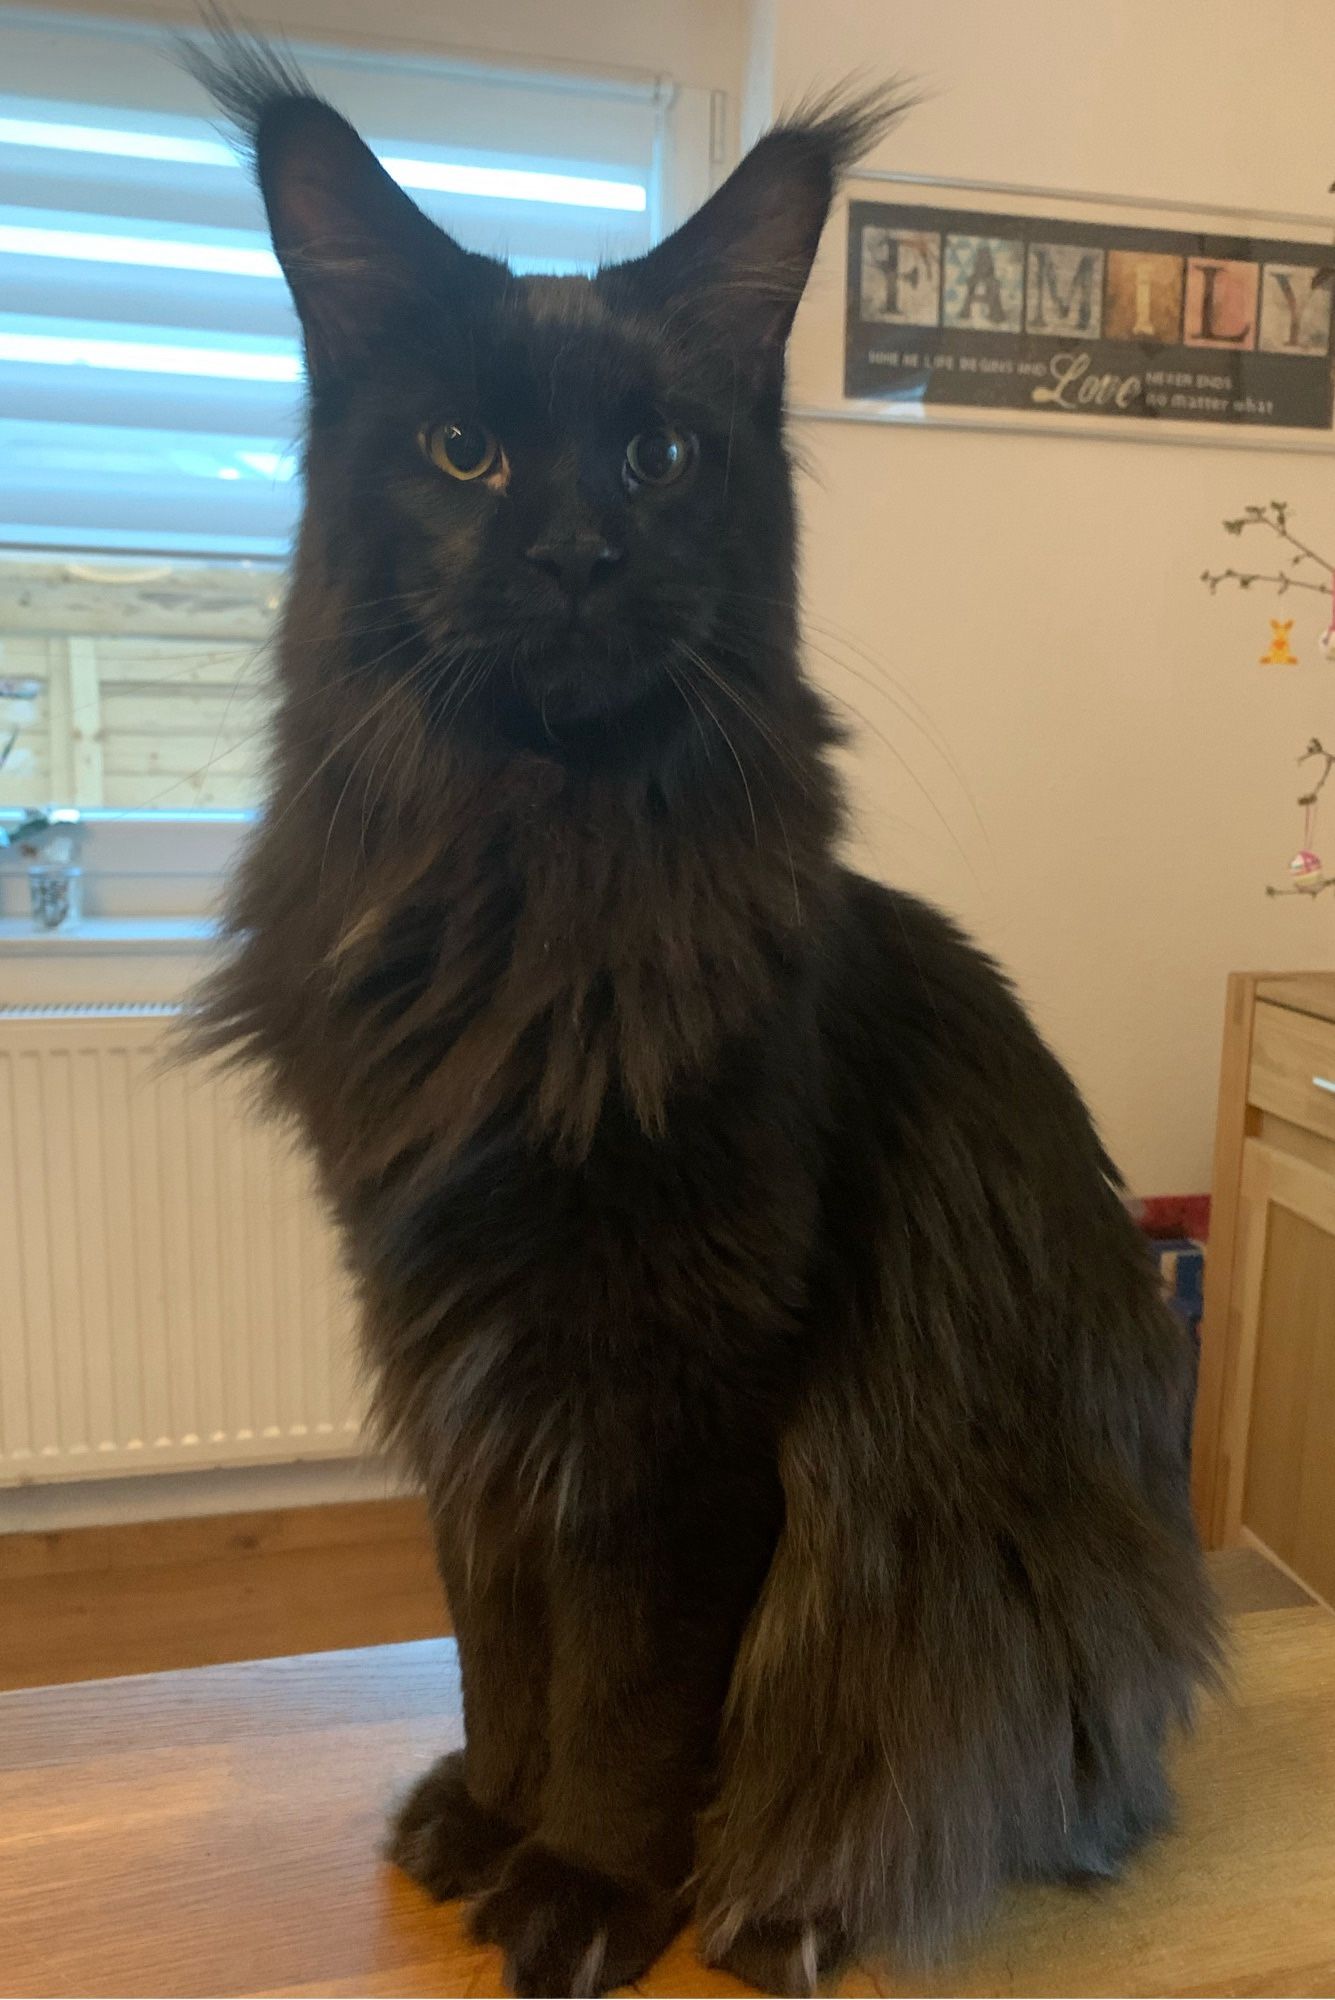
point(216, 1831)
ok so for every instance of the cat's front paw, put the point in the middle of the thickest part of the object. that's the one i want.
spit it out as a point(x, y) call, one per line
point(781, 1957)
point(565, 1929)
point(450, 1845)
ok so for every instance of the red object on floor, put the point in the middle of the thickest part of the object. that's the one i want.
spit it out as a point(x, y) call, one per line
point(1174, 1215)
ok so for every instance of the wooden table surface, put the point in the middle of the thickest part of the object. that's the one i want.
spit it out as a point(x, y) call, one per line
point(215, 1831)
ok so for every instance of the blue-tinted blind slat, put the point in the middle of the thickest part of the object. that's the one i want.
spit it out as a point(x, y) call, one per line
point(149, 360)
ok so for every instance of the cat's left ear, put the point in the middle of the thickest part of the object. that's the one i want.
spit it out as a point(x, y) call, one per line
point(737, 268)
point(353, 246)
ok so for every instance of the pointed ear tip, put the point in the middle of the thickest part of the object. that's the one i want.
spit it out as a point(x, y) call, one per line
point(303, 117)
point(248, 80)
point(844, 124)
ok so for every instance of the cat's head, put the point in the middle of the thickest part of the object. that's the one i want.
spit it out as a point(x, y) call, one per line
point(572, 491)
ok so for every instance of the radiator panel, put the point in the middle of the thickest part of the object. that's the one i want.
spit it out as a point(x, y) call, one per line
point(170, 1292)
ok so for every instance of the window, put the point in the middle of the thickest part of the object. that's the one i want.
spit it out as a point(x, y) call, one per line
point(150, 369)
point(132, 683)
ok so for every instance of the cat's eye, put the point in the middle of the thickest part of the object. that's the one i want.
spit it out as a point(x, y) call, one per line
point(656, 458)
point(465, 451)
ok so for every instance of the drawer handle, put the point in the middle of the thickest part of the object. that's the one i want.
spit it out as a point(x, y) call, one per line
point(1324, 1083)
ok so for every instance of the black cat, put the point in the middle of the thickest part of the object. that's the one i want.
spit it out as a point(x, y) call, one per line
point(741, 1274)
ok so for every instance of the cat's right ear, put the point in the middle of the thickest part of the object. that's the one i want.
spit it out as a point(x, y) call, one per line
point(351, 243)
point(736, 269)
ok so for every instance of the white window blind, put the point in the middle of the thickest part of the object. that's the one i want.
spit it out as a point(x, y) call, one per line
point(149, 363)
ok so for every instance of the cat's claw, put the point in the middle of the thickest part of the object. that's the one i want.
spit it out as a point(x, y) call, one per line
point(566, 1929)
point(450, 1845)
point(782, 1957)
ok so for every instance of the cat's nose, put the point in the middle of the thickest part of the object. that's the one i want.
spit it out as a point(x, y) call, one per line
point(576, 561)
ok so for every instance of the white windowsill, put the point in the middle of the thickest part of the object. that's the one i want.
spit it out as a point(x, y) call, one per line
point(108, 934)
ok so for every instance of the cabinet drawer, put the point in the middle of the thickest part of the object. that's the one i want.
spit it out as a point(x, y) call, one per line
point(1293, 1068)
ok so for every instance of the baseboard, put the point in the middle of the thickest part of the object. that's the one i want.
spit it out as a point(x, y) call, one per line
point(1248, 1540)
point(176, 1496)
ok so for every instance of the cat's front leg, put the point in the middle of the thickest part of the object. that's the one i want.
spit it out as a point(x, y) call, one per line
point(457, 1826)
point(642, 1649)
point(442, 1837)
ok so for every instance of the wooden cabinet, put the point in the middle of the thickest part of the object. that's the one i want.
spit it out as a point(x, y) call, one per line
point(1264, 1460)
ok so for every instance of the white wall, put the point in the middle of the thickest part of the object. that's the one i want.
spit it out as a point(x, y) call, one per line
point(1131, 764)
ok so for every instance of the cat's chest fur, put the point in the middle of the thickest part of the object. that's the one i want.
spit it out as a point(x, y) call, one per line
point(563, 1331)
point(547, 1063)
point(584, 1204)
point(551, 958)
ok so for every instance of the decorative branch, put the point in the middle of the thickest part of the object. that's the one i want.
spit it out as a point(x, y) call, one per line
point(1245, 579)
point(1318, 884)
point(1316, 748)
point(1275, 519)
point(1308, 889)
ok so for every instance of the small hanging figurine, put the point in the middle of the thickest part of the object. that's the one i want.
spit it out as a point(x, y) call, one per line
point(1279, 653)
point(1305, 871)
point(1307, 875)
point(1305, 868)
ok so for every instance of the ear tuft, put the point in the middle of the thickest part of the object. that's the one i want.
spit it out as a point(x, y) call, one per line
point(843, 125)
point(737, 268)
point(352, 244)
point(245, 77)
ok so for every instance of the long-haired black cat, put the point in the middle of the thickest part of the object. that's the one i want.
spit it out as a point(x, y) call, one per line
point(802, 1431)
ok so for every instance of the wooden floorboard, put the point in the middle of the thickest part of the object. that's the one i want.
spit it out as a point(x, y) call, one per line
point(98, 1603)
point(221, 1833)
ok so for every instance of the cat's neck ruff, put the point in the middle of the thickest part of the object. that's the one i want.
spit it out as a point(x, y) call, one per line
point(556, 938)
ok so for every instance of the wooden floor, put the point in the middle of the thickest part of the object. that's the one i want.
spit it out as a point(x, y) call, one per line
point(93, 1603)
point(97, 1603)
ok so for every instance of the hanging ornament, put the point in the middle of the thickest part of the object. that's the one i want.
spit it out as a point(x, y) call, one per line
point(1305, 870)
point(1327, 640)
point(1279, 653)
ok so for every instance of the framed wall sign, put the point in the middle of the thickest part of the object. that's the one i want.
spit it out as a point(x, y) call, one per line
point(1009, 307)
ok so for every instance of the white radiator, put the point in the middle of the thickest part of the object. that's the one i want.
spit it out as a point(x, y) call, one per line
point(170, 1294)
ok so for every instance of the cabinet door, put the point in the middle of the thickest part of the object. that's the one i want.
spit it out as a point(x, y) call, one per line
point(1278, 1461)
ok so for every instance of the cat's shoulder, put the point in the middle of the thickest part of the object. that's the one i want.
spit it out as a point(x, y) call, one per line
point(914, 1001)
point(912, 979)
point(893, 935)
